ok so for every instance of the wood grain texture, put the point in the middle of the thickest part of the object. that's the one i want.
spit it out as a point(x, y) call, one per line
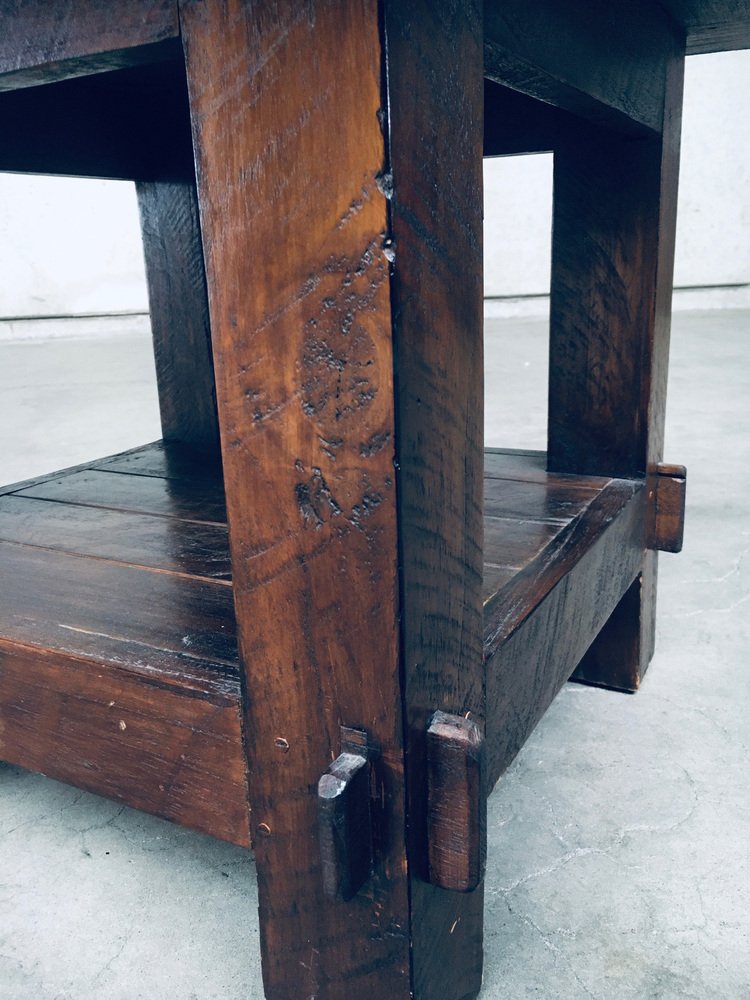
point(178, 303)
point(612, 264)
point(545, 501)
point(185, 547)
point(130, 124)
point(513, 542)
point(435, 94)
point(603, 62)
point(538, 628)
point(118, 655)
point(456, 803)
point(42, 41)
point(114, 612)
point(290, 155)
point(171, 749)
point(531, 467)
point(201, 501)
point(666, 525)
point(345, 825)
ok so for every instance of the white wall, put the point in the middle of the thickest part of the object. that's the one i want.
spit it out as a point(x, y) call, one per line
point(71, 247)
point(713, 220)
point(713, 233)
point(68, 247)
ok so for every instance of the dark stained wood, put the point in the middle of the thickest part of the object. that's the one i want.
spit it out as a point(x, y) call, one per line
point(531, 467)
point(456, 802)
point(611, 661)
point(302, 338)
point(513, 604)
point(604, 339)
point(338, 149)
point(527, 511)
point(185, 547)
point(171, 461)
point(111, 611)
point(435, 95)
point(132, 626)
point(42, 41)
point(201, 501)
point(178, 302)
point(290, 155)
point(612, 261)
point(131, 124)
point(603, 62)
point(712, 25)
point(345, 825)
point(513, 542)
point(494, 577)
point(118, 656)
point(515, 123)
point(538, 628)
point(553, 500)
point(667, 491)
point(171, 748)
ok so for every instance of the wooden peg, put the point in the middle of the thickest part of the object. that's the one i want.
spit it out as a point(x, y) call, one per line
point(667, 497)
point(344, 821)
point(456, 802)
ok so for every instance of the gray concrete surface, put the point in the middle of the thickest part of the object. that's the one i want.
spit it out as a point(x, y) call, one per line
point(618, 862)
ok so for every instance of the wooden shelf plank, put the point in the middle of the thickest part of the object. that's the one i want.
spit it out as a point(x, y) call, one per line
point(539, 625)
point(185, 547)
point(118, 656)
point(172, 461)
point(172, 751)
point(202, 501)
point(116, 604)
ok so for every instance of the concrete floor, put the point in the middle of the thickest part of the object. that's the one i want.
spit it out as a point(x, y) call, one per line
point(618, 855)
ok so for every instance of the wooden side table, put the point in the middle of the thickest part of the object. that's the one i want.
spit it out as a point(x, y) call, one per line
point(349, 648)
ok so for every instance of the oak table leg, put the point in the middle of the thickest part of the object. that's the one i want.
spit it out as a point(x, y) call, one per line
point(612, 262)
point(338, 150)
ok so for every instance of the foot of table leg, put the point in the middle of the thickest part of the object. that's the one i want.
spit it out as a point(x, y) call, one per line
point(619, 656)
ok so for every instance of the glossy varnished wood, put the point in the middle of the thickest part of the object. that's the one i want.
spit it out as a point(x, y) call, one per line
point(184, 499)
point(165, 461)
point(539, 625)
point(134, 590)
point(189, 548)
point(118, 655)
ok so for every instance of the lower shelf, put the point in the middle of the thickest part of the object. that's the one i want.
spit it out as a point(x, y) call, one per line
point(118, 654)
point(118, 658)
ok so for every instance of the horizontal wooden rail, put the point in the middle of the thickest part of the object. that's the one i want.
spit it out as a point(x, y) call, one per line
point(538, 628)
